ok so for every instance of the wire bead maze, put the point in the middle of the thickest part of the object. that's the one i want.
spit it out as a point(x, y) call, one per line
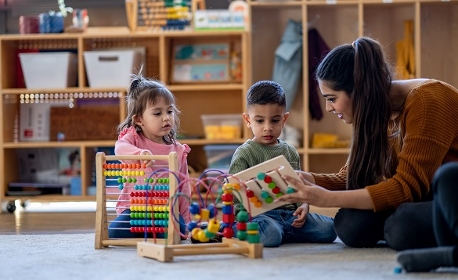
point(204, 225)
point(261, 184)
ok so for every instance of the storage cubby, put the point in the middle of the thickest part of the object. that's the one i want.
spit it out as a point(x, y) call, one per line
point(106, 106)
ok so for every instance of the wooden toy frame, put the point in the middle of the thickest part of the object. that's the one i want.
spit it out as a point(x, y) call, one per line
point(274, 168)
point(165, 253)
point(101, 219)
point(133, 16)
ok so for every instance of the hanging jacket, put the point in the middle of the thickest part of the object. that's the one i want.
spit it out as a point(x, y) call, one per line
point(317, 48)
point(288, 61)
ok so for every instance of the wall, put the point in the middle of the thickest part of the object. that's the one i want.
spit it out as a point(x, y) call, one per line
point(101, 12)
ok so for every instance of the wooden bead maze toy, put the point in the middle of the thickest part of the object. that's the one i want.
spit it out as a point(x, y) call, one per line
point(151, 209)
point(247, 242)
point(263, 184)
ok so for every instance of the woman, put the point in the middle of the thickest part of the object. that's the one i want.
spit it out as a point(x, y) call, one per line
point(403, 131)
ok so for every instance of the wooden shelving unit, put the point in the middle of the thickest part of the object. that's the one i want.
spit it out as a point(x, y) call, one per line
point(342, 21)
point(194, 99)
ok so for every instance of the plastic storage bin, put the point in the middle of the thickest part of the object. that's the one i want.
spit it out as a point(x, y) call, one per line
point(219, 156)
point(49, 69)
point(223, 127)
point(111, 68)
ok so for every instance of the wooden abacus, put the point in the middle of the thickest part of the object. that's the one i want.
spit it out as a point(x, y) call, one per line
point(103, 199)
point(152, 15)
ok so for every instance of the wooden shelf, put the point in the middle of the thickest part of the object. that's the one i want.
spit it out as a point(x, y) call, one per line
point(226, 98)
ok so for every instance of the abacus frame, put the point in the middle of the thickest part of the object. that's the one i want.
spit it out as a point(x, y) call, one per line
point(101, 219)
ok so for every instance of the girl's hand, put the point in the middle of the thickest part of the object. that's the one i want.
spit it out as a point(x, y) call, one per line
point(306, 192)
point(301, 214)
point(148, 163)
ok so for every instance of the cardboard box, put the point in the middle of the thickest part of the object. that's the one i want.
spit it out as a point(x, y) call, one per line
point(34, 121)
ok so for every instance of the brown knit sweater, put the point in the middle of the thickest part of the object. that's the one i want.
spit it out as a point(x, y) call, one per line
point(428, 139)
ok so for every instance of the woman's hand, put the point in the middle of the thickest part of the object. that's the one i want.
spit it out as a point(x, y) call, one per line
point(301, 214)
point(306, 192)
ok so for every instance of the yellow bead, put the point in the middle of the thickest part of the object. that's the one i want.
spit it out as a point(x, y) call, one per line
point(213, 226)
point(205, 214)
point(202, 237)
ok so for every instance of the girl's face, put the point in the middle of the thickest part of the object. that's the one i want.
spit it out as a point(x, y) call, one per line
point(266, 122)
point(337, 102)
point(156, 121)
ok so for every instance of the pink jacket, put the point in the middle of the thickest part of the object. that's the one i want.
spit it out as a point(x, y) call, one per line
point(131, 143)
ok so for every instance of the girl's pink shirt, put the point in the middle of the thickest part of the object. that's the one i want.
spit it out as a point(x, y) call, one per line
point(131, 143)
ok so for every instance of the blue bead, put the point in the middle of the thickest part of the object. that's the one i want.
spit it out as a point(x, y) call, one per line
point(397, 270)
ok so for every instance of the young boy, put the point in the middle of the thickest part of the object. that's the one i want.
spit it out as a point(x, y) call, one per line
point(266, 116)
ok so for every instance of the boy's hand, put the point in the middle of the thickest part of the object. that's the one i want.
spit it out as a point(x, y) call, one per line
point(301, 214)
point(148, 163)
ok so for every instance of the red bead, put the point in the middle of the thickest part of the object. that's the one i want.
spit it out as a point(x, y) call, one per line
point(249, 193)
point(227, 197)
point(228, 218)
point(276, 190)
point(228, 232)
point(241, 226)
point(268, 179)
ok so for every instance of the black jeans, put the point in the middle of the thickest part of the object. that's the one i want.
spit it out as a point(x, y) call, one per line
point(412, 225)
point(445, 204)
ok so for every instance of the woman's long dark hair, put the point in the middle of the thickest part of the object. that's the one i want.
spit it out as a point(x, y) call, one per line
point(361, 70)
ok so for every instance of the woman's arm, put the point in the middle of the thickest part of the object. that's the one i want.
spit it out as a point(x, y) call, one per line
point(312, 194)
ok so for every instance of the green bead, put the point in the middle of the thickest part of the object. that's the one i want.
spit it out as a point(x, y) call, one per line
point(252, 226)
point(242, 217)
point(241, 235)
point(254, 238)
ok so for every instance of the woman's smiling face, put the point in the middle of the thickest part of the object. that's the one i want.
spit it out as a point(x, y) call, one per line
point(337, 102)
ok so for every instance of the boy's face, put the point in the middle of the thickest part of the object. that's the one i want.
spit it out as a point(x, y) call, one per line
point(266, 122)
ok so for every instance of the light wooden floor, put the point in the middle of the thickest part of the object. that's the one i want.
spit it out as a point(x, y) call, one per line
point(46, 221)
point(62, 221)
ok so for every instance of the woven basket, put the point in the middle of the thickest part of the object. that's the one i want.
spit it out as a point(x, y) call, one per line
point(80, 124)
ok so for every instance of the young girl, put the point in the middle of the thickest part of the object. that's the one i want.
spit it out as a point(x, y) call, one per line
point(403, 131)
point(150, 129)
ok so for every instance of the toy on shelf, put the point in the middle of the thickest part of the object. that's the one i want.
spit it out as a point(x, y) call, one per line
point(155, 15)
